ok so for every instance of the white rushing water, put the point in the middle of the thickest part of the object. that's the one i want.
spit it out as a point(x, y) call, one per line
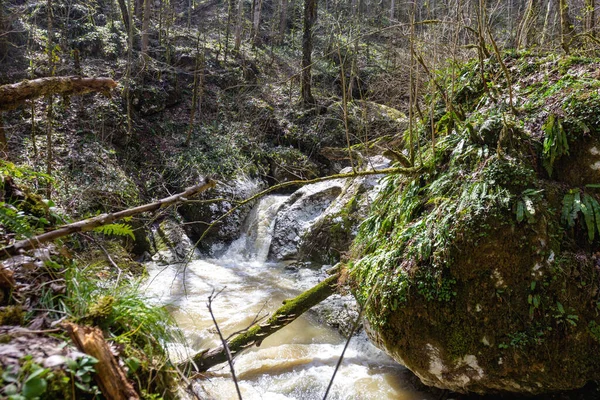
point(298, 361)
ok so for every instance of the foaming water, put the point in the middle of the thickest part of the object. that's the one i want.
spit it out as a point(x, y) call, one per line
point(296, 362)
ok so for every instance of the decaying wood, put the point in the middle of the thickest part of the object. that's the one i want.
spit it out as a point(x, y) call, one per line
point(103, 219)
point(14, 94)
point(287, 313)
point(110, 377)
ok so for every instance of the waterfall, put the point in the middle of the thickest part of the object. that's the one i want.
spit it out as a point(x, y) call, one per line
point(255, 241)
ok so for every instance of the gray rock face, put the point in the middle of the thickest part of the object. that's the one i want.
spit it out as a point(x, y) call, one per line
point(331, 234)
point(298, 213)
point(319, 221)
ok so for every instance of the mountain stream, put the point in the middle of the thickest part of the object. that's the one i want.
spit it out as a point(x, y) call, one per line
point(296, 362)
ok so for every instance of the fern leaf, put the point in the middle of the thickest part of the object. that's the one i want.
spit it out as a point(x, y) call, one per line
point(567, 207)
point(596, 208)
point(588, 216)
point(520, 211)
point(116, 230)
point(576, 208)
point(14, 221)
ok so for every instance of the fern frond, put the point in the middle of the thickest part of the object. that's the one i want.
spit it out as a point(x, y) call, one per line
point(14, 220)
point(116, 230)
point(587, 210)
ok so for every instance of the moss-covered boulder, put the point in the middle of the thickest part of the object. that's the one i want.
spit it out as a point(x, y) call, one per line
point(482, 273)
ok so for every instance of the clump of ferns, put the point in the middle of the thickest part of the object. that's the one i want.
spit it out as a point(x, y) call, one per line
point(416, 221)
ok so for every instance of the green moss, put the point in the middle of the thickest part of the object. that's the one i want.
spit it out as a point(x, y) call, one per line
point(11, 315)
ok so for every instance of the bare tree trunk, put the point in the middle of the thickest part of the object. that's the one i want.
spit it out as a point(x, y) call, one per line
point(3, 31)
point(256, 22)
point(546, 21)
point(283, 20)
point(228, 28)
point(198, 87)
point(145, 29)
point(590, 17)
point(310, 16)
point(239, 25)
point(566, 26)
point(103, 219)
point(50, 50)
point(392, 9)
point(526, 33)
point(287, 313)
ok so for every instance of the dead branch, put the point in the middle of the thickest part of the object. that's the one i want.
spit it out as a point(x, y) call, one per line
point(287, 313)
point(224, 342)
point(109, 375)
point(103, 219)
point(14, 94)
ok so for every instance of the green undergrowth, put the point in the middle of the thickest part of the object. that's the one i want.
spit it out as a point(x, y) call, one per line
point(89, 279)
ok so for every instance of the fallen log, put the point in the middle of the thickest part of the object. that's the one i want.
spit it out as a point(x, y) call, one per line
point(15, 94)
point(254, 336)
point(109, 376)
point(103, 219)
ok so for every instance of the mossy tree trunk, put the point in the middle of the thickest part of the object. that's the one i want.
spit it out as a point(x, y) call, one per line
point(526, 33)
point(287, 313)
point(124, 13)
point(590, 17)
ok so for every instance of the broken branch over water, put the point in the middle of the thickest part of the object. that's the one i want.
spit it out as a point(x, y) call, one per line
point(103, 219)
point(287, 313)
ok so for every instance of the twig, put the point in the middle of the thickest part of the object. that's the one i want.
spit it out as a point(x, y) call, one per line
point(354, 327)
point(223, 341)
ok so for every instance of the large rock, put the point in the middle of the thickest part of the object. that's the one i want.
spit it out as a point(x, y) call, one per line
point(330, 235)
point(480, 275)
point(298, 213)
point(319, 221)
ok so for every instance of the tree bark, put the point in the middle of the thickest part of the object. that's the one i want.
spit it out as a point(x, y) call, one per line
point(14, 94)
point(103, 219)
point(566, 26)
point(310, 16)
point(239, 25)
point(109, 375)
point(283, 20)
point(287, 313)
point(124, 13)
point(145, 29)
point(256, 21)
